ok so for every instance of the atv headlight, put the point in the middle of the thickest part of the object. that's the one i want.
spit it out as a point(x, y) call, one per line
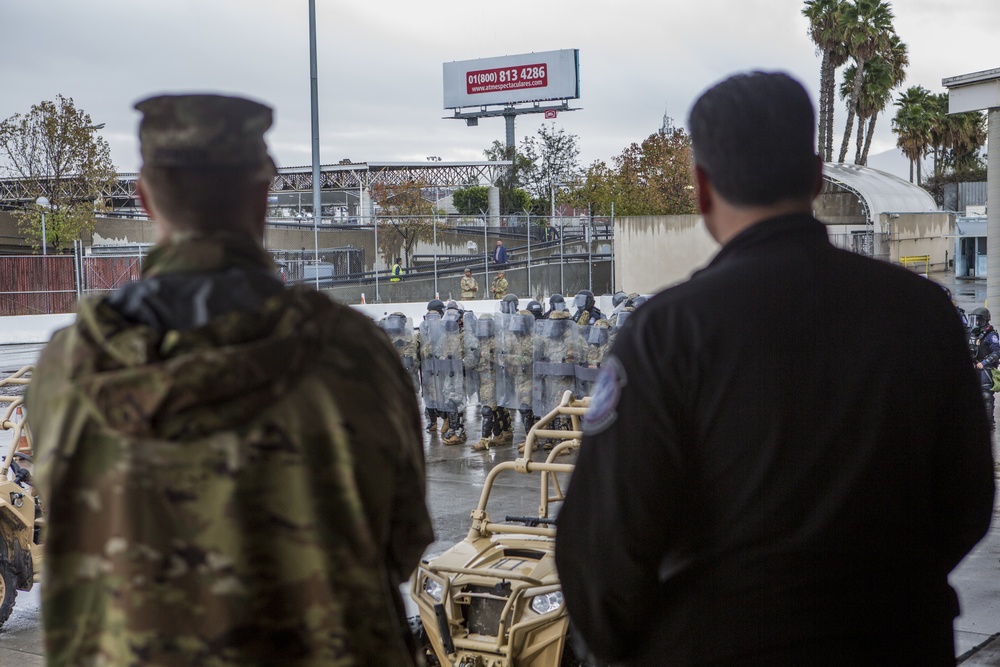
point(543, 604)
point(433, 589)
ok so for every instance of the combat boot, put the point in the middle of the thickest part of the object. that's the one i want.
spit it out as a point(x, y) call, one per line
point(482, 445)
point(504, 438)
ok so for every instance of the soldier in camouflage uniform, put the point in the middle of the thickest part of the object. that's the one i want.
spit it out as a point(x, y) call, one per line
point(594, 343)
point(555, 356)
point(435, 309)
point(449, 351)
point(514, 361)
point(481, 379)
point(399, 328)
point(233, 470)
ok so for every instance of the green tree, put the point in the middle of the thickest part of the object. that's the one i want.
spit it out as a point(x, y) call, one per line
point(651, 178)
point(471, 200)
point(54, 149)
point(882, 74)
point(404, 218)
point(912, 125)
point(825, 30)
point(513, 199)
point(554, 159)
point(867, 28)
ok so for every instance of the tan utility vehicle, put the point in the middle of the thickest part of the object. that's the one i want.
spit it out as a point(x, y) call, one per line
point(21, 516)
point(493, 599)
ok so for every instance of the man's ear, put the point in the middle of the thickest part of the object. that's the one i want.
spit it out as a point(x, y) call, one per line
point(140, 188)
point(703, 190)
point(258, 200)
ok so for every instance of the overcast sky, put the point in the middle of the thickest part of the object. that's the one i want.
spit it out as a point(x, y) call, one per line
point(380, 62)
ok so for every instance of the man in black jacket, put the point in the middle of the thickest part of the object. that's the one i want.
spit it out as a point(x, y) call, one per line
point(764, 476)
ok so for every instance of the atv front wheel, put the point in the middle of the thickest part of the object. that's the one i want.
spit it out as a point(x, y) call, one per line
point(8, 593)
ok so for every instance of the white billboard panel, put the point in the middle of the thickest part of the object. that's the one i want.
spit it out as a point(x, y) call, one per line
point(530, 77)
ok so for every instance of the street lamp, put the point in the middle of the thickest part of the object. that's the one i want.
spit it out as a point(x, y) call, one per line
point(43, 203)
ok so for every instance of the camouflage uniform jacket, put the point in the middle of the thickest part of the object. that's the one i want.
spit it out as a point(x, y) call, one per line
point(468, 287)
point(245, 492)
point(499, 288)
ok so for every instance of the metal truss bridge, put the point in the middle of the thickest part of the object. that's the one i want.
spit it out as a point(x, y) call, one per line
point(121, 196)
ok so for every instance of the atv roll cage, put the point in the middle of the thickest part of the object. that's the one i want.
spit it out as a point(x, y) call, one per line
point(494, 599)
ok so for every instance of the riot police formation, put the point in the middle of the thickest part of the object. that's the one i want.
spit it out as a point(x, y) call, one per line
point(481, 380)
point(984, 345)
point(515, 359)
point(587, 311)
point(399, 328)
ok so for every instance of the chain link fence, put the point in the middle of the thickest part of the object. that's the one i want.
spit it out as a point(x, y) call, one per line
point(352, 262)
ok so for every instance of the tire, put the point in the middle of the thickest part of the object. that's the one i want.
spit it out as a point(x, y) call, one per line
point(8, 593)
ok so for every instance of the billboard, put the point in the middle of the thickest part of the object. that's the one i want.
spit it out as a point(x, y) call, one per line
point(530, 77)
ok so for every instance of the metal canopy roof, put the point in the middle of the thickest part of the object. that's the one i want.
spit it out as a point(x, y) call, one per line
point(879, 191)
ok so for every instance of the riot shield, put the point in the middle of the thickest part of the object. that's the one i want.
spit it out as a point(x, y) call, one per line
point(450, 364)
point(480, 359)
point(593, 342)
point(515, 352)
point(441, 365)
point(399, 328)
point(555, 356)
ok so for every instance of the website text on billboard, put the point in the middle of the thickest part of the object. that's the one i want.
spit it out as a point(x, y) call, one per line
point(506, 78)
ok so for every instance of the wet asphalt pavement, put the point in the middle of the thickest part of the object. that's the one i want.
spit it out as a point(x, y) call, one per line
point(456, 476)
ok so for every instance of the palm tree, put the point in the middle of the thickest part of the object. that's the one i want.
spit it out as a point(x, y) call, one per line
point(912, 125)
point(867, 26)
point(826, 32)
point(882, 74)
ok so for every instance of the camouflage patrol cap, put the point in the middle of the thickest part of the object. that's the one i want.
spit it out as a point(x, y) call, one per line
point(199, 131)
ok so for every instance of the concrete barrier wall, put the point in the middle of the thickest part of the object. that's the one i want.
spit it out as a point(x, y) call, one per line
point(655, 252)
point(921, 234)
point(545, 280)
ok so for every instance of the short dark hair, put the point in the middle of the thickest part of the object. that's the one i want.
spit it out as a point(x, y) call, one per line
point(201, 199)
point(753, 135)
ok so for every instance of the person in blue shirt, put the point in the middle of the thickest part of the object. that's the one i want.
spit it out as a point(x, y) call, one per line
point(500, 254)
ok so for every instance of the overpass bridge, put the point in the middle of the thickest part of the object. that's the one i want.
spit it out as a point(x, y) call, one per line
point(339, 183)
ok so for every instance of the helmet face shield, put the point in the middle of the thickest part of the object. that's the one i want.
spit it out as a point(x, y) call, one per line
point(580, 301)
point(395, 324)
point(979, 318)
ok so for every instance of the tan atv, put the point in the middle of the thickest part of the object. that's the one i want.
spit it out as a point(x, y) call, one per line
point(21, 517)
point(493, 599)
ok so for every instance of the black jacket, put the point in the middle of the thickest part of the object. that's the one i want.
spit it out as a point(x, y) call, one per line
point(769, 467)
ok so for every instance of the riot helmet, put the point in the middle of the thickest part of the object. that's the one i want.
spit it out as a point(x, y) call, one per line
point(618, 299)
point(636, 301)
point(436, 305)
point(584, 300)
point(556, 328)
point(454, 305)
point(520, 325)
point(598, 334)
point(394, 323)
point(509, 304)
point(535, 309)
point(978, 319)
point(557, 302)
point(485, 326)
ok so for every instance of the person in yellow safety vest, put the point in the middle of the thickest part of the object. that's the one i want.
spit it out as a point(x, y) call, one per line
point(397, 271)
